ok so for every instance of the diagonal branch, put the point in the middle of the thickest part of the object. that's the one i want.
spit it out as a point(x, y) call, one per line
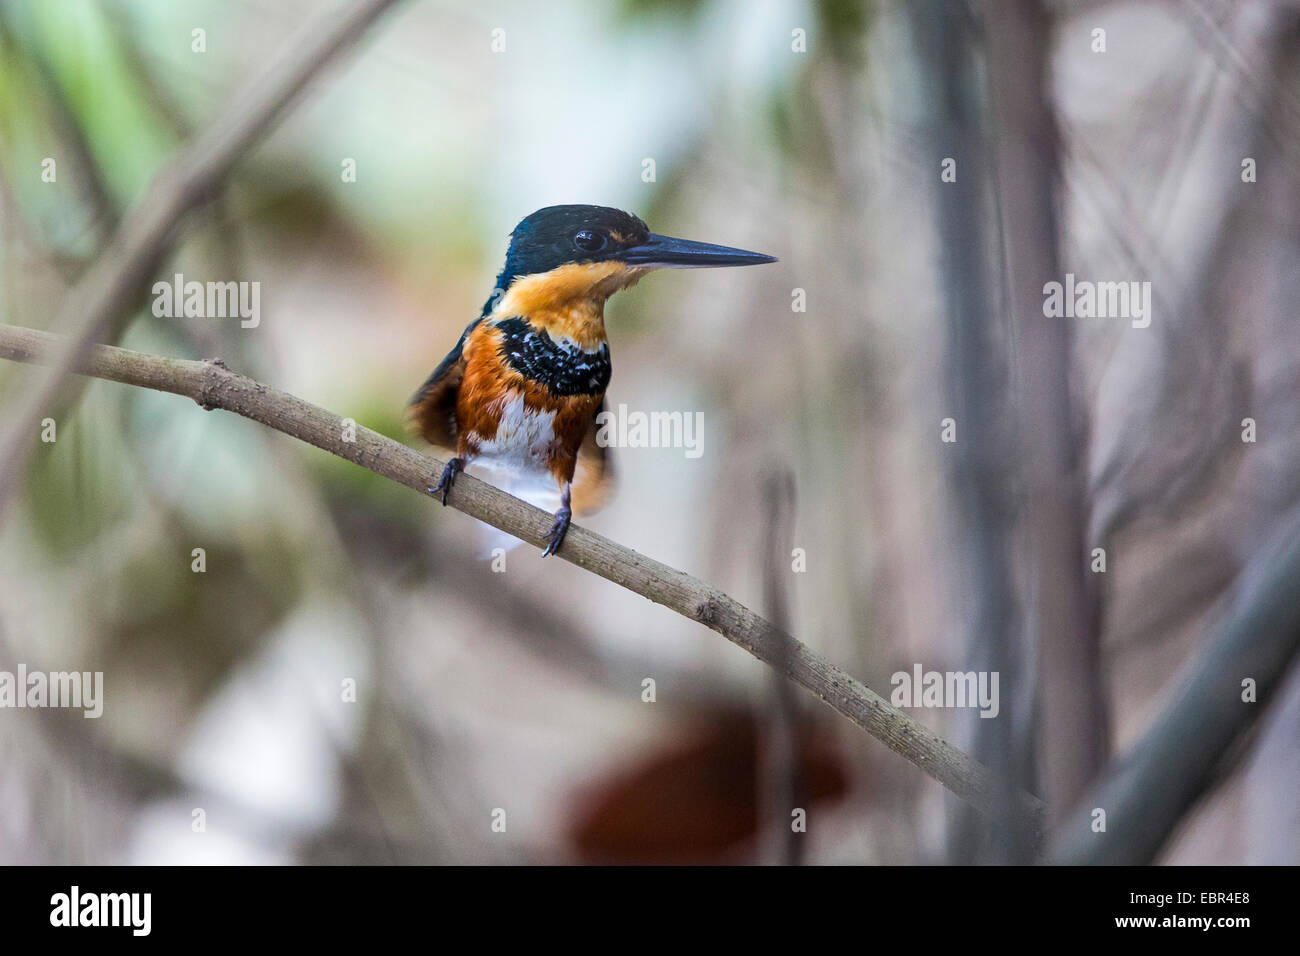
point(1148, 790)
point(100, 303)
point(212, 386)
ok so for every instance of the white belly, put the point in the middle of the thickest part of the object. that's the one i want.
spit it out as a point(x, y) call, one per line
point(523, 443)
point(517, 460)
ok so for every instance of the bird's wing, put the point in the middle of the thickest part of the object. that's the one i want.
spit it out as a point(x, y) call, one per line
point(433, 409)
point(593, 475)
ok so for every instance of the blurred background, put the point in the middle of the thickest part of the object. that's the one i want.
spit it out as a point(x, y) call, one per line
point(813, 131)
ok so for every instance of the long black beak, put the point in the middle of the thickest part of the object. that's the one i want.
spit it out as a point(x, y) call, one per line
point(686, 254)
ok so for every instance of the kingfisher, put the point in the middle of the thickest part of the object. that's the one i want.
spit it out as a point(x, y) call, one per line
point(519, 395)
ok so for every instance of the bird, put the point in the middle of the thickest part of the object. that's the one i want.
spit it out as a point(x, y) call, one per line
point(520, 393)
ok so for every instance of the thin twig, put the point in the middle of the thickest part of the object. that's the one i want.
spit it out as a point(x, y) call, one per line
point(213, 386)
point(100, 304)
point(780, 758)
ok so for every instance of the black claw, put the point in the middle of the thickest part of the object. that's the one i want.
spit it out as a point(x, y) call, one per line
point(449, 473)
point(556, 535)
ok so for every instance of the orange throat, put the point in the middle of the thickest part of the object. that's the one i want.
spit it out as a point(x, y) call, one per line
point(568, 302)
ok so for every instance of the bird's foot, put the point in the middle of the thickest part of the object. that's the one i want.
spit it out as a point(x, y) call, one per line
point(556, 535)
point(454, 467)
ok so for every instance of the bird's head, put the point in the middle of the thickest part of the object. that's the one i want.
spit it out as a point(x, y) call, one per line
point(564, 253)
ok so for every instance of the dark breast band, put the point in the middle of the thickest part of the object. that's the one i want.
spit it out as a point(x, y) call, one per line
point(563, 368)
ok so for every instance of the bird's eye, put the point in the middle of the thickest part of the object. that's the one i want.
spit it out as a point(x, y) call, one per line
point(588, 240)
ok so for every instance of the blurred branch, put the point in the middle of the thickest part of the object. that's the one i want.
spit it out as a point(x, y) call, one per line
point(1275, 103)
point(1147, 791)
point(1062, 610)
point(976, 385)
point(212, 386)
point(71, 135)
point(780, 781)
point(98, 307)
